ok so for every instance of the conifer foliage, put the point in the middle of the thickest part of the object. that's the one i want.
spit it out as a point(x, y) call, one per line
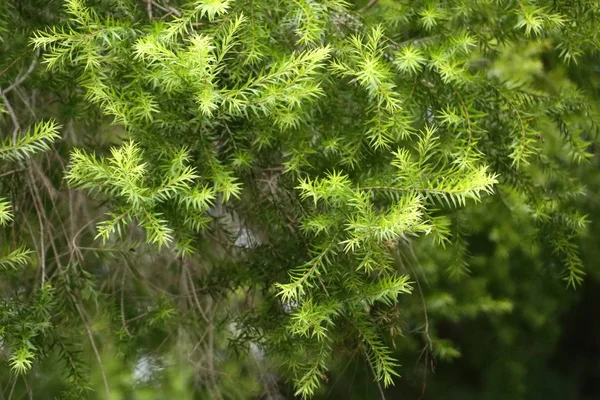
point(279, 167)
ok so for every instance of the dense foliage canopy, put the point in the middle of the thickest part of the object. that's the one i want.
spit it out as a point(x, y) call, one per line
point(246, 198)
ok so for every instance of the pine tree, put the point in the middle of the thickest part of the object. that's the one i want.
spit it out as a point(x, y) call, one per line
point(279, 175)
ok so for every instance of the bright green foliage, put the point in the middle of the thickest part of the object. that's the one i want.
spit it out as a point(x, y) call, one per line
point(284, 175)
point(26, 325)
point(15, 259)
point(36, 140)
point(126, 178)
point(5, 212)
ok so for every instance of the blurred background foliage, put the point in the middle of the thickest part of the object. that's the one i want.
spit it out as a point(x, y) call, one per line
point(507, 328)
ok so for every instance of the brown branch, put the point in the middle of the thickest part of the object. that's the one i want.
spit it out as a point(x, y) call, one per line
point(167, 9)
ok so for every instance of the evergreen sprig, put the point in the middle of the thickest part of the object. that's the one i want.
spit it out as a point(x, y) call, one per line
point(37, 139)
point(301, 165)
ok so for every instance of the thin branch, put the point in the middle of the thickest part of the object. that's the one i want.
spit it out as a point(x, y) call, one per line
point(19, 92)
point(195, 296)
point(376, 381)
point(39, 206)
point(13, 117)
point(14, 171)
point(95, 348)
point(429, 343)
point(168, 9)
point(10, 65)
point(332, 386)
point(149, 9)
point(370, 4)
point(210, 351)
point(24, 76)
point(12, 389)
point(123, 302)
point(29, 391)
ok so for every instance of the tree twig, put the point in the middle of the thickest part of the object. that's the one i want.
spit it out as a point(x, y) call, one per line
point(13, 116)
point(24, 76)
point(7, 173)
point(149, 9)
point(94, 347)
point(370, 4)
point(168, 9)
point(381, 393)
point(39, 206)
point(123, 302)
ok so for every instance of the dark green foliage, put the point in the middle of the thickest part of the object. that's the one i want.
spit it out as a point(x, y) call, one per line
point(286, 187)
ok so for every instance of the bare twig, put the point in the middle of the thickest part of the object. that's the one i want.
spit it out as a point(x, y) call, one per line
point(370, 4)
point(94, 347)
point(195, 296)
point(149, 9)
point(27, 103)
point(37, 202)
point(210, 351)
point(332, 386)
point(12, 389)
point(13, 116)
point(23, 76)
point(376, 381)
point(123, 302)
point(429, 343)
point(426, 330)
point(168, 9)
point(9, 65)
point(29, 391)
point(7, 173)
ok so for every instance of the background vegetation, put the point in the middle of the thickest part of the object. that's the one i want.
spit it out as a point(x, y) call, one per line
point(275, 199)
